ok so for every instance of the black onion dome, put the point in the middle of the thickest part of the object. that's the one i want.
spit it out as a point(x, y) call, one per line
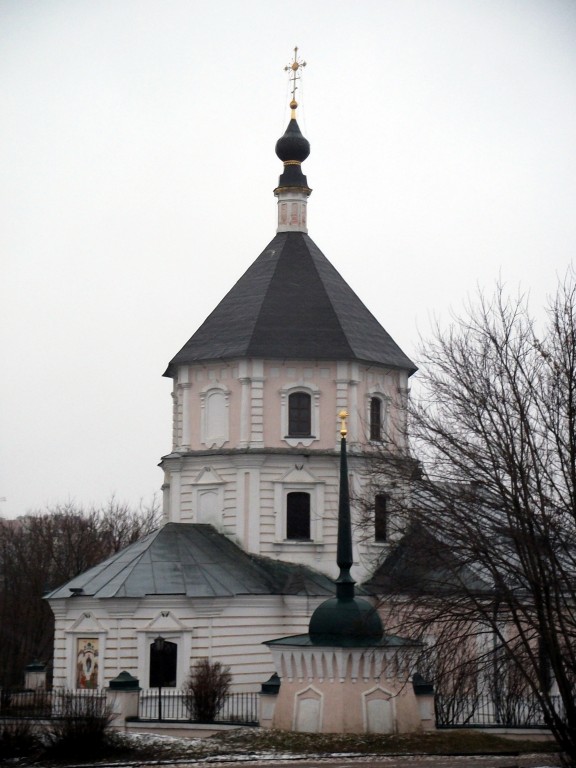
point(345, 619)
point(293, 145)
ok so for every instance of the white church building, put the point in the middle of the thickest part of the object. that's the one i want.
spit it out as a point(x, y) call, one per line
point(248, 547)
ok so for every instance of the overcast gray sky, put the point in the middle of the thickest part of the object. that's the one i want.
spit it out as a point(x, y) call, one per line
point(137, 168)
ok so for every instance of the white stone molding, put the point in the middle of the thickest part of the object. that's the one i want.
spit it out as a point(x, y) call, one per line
point(175, 472)
point(164, 621)
point(215, 416)
point(354, 380)
point(186, 415)
point(249, 502)
point(401, 412)
point(379, 710)
point(245, 412)
point(208, 497)
point(207, 607)
point(310, 389)
point(339, 664)
point(342, 400)
point(166, 624)
point(165, 488)
point(257, 405)
point(86, 625)
point(175, 408)
point(308, 710)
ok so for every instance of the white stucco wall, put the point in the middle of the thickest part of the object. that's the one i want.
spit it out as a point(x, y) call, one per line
point(227, 630)
point(236, 475)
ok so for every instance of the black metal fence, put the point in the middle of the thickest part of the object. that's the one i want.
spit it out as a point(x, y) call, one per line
point(170, 704)
point(48, 704)
point(487, 711)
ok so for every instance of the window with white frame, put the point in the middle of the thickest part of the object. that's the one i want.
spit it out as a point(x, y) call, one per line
point(163, 663)
point(163, 650)
point(377, 417)
point(299, 505)
point(300, 414)
point(298, 516)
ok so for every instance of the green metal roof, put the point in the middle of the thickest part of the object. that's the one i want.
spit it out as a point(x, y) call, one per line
point(195, 560)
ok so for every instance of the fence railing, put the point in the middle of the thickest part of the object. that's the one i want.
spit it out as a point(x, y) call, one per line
point(171, 705)
point(54, 703)
point(486, 711)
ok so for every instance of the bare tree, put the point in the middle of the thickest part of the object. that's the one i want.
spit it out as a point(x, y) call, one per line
point(40, 551)
point(206, 689)
point(487, 539)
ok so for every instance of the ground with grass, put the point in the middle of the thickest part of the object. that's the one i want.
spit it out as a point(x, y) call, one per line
point(257, 744)
point(436, 743)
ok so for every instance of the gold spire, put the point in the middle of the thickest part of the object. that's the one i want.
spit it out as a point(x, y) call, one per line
point(294, 67)
point(343, 415)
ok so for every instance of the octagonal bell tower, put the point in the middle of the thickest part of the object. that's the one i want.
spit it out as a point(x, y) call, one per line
point(257, 389)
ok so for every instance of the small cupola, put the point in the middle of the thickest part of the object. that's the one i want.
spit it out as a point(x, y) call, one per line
point(293, 148)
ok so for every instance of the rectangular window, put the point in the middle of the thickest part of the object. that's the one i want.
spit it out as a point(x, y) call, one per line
point(380, 521)
point(298, 516)
point(163, 663)
point(375, 418)
point(299, 414)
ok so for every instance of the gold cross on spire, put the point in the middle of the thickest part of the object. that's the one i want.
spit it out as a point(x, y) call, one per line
point(294, 67)
point(343, 415)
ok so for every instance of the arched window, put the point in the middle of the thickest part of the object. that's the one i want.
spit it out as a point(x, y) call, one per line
point(380, 518)
point(375, 418)
point(163, 659)
point(299, 414)
point(298, 515)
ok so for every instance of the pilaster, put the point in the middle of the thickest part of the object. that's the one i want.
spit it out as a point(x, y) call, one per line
point(185, 389)
point(244, 380)
point(176, 491)
point(249, 503)
point(257, 404)
point(342, 404)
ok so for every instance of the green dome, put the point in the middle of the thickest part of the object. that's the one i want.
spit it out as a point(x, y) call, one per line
point(345, 619)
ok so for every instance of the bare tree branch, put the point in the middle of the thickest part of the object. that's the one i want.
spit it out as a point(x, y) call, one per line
point(484, 557)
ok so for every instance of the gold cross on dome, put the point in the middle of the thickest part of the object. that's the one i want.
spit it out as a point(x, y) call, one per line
point(294, 68)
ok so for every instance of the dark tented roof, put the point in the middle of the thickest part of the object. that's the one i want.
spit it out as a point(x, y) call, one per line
point(292, 304)
point(421, 564)
point(193, 560)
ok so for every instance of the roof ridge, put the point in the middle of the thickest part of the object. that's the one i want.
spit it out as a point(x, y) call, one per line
point(277, 236)
point(291, 303)
point(101, 567)
point(328, 296)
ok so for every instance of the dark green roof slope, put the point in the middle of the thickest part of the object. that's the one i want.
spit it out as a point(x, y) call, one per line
point(344, 641)
point(292, 304)
point(193, 560)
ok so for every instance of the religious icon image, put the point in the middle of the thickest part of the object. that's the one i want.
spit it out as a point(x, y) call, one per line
point(87, 663)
